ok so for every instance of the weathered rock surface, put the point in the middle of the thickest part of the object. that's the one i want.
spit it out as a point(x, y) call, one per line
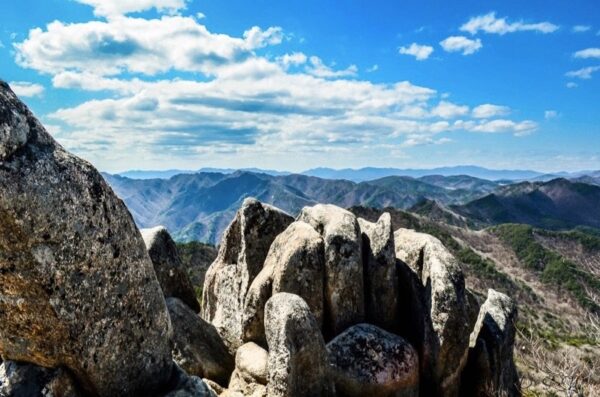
point(380, 276)
point(77, 288)
point(28, 380)
point(297, 364)
point(490, 366)
point(241, 257)
point(251, 362)
point(294, 264)
point(344, 292)
point(169, 270)
point(366, 360)
point(442, 320)
point(197, 347)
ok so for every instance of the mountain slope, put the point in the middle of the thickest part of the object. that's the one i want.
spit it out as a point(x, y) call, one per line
point(557, 204)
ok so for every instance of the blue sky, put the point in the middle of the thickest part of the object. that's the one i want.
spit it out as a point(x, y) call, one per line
point(158, 84)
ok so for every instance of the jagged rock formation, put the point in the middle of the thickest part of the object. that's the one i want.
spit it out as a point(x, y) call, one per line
point(442, 318)
point(241, 257)
point(82, 312)
point(169, 270)
point(76, 282)
point(344, 292)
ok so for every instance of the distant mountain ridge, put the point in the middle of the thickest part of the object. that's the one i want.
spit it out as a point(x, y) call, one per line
point(198, 206)
point(556, 204)
point(372, 173)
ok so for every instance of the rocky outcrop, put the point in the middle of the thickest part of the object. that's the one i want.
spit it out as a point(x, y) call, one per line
point(490, 367)
point(297, 364)
point(77, 288)
point(28, 380)
point(294, 264)
point(367, 361)
point(169, 270)
point(380, 275)
point(344, 292)
point(82, 312)
point(241, 257)
point(442, 320)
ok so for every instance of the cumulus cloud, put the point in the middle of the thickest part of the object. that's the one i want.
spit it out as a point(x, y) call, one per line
point(588, 53)
point(26, 89)
point(461, 44)
point(420, 52)
point(501, 125)
point(583, 73)
point(571, 84)
point(487, 111)
point(138, 45)
point(449, 110)
point(110, 8)
point(581, 28)
point(421, 140)
point(489, 23)
point(550, 114)
point(293, 59)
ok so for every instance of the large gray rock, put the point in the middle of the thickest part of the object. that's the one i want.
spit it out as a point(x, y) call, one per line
point(380, 276)
point(368, 361)
point(344, 293)
point(197, 346)
point(241, 257)
point(297, 363)
point(77, 288)
point(169, 270)
point(490, 366)
point(295, 264)
point(439, 317)
point(28, 380)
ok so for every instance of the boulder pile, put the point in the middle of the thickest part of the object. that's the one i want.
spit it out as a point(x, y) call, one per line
point(324, 304)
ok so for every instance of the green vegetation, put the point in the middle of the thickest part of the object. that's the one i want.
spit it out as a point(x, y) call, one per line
point(554, 268)
point(588, 237)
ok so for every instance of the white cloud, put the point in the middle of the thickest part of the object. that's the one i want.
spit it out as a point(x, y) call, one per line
point(487, 111)
point(571, 84)
point(200, 15)
point(420, 52)
point(26, 89)
point(420, 140)
point(449, 110)
point(461, 44)
point(489, 23)
point(583, 73)
point(373, 68)
point(319, 69)
point(110, 8)
point(139, 46)
point(550, 114)
point(293, 59)
point(501, 125)
point(581, 28)
point(588, 53)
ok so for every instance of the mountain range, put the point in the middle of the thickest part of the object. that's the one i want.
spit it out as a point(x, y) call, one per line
point(198, 206)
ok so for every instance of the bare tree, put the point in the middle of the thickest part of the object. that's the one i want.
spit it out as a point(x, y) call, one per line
point(560, 371)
